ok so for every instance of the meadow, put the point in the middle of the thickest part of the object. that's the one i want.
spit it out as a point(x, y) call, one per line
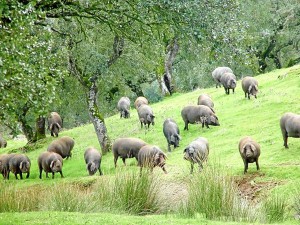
point(220, 194)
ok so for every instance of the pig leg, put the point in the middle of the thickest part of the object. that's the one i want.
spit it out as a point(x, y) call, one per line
point(257, 166)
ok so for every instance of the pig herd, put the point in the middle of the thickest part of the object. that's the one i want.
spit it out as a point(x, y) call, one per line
point(197, 151)
point(147, 155)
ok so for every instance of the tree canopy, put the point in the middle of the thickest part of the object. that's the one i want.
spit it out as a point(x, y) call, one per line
point(49, 49)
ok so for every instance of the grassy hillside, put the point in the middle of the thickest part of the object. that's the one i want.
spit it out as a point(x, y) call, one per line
point(238, 116)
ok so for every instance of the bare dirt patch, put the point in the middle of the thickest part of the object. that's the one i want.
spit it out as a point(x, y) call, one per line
point(253, 190)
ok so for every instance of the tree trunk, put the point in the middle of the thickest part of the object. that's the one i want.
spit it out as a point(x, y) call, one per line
point(166, 82)
point(162, 85)
point(26, 128)
point(97, 119)
point(91, 85)
point(40, 129)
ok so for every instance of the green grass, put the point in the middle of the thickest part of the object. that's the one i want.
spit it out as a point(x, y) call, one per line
point(238, 116)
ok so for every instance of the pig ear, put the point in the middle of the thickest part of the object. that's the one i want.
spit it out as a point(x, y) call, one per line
point(88, 165)
point(149, 117)
point(252, 147)
point(244, 148)
point(156, 156)
point(172, 138)
point(179, 137)
point(165, 156)
point(250, 87)
point(228, 82)
point(184, 151)
point(21, 165)
point(256, 87)
point(50, 127)
point(59, 127)
point(191, 150)
point(52, 164)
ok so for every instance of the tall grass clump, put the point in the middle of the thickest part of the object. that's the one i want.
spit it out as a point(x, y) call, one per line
point(296, 205)
point(275, 208)
point(135, 193)
point(15, 199)
point(69, 198)
point(215, 196)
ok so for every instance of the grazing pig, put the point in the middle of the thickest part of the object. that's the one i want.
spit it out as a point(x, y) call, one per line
point(151, 156)
point(199, 113)
point(205, 99)
point(124, 107)
point(3, 142)
point(140, 101)
point(145, 115)
point(126, 148)
point(19, 164)
point(218, 72)
point(250, 86)
point(228, 80)
point(50, 162)
point(54, 123)
point(250, 151)
point(171, 132)
point(4, 164)
point(92, 159)
point(197, 152)
point(62, 146)
point(290, 127)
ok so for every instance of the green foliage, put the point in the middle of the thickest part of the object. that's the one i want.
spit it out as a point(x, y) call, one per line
point(29, 68)
point(273, 32)
point(152, 93)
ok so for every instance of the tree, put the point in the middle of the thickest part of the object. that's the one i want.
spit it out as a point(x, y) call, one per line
point(274, 30)
point(89, 63)
point(89, 78)
point(25, 22)
point(28, 67)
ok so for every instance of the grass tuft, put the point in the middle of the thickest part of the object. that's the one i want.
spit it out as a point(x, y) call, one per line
point(135, 193)
point(215, 196)
point(276, 208)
